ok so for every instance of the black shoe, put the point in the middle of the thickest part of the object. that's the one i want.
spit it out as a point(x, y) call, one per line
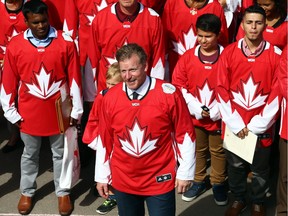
point(107, 206)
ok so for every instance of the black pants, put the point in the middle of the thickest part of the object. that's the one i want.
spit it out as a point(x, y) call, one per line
point(158, 205)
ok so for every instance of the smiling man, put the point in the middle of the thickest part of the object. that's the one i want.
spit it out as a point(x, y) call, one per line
point(41, 65)
point(144, 129)
point(249, 101)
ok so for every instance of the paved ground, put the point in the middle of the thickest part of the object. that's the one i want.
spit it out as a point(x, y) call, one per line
point(82, 195)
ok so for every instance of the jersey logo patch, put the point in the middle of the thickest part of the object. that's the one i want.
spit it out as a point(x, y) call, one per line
point(164, 178)
point(44, 86)
point(189, 41)
point(136, 142)
point(168, 88)
point(248, 95)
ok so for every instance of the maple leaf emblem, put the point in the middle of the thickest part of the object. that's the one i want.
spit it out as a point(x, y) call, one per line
point(3, 48)
point(137, 144)
point(249, 98)
point(44, 87)
point(66, 29)
point(110, 60)
point(205, 94)
point(189, 41)
point(8, 38)
point(13, 33)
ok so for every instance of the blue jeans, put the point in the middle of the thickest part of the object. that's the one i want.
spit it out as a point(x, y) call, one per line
point(158, 205)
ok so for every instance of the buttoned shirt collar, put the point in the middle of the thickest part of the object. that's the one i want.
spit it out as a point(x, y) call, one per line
point(142, 90)
point(258, 50)
point(42, 42)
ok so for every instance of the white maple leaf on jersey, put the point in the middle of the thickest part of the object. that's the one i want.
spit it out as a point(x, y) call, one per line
point(113, 59)
point(45, 87)
point(66, 29)
point(205, 94)
point(189, 41)
point(14, 33)
point(90, 18)
point(3, 48)
point(249, 99)
point(138, 145)
point(103, 4)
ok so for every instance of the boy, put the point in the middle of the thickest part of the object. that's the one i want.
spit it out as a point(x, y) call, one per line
point(195, 75)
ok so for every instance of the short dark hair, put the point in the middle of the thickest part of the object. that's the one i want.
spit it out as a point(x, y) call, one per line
point(209, 23)
point(35, 7)
point(126, 51)
point(255, 9)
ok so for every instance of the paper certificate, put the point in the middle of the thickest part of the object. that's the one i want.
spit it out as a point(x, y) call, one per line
point(243, 148)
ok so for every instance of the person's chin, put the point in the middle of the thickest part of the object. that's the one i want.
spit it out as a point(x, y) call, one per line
point(132, 85)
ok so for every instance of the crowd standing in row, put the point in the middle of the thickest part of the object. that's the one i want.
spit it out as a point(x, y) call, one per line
point(151, 136)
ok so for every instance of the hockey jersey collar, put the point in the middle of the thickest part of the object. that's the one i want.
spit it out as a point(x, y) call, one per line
point(44, 42)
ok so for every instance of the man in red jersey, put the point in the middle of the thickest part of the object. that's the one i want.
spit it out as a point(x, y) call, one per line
point(41, 66)
point(248, 97)
point(145, 129)
point(129, 22)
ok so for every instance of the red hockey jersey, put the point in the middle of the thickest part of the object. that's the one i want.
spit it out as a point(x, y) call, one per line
point(277, 36)
point(146, 30)
point(157, 5)
point(79, 15)
point(283, 82)
point(10, 25)
point(91, 131)
point(139, 140)
point(37, 77)
point(56, 12)
point(247, 91)
point(196, 80)
point(179, 22)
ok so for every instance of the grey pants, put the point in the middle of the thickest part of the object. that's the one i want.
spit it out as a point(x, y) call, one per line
point(237, 174)
point(30, 163)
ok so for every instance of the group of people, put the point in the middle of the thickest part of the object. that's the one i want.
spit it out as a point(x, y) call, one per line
point(155, 86)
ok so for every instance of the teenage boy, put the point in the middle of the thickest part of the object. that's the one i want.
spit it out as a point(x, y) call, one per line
point(195, 75)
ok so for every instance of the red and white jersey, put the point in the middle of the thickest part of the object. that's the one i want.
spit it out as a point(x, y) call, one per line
point(79, 15)
point(91, 131)
point(179, 22)
point(283, 83)
point(36, 77)
point(56, 12)
point(10, 25)
point(277, 36)
point(141, 140)
point(196, 80)
point(107, 37)
point(247, 89)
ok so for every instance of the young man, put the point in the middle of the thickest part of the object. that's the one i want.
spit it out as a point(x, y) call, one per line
point(195, 75)
point(41, 65)
point(248, 101)
point(144, 129)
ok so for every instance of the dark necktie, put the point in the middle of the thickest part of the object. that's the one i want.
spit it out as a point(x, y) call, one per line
point(135, 95)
